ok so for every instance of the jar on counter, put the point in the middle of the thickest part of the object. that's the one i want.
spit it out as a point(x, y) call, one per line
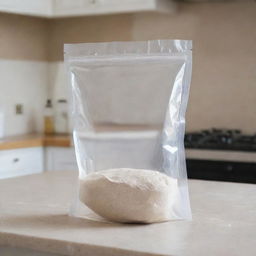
point(61, 117)
point(1, 122)
point(48, 118)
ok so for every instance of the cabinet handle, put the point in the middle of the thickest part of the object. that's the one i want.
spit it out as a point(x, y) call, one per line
point(229, 167)
point(15, 160)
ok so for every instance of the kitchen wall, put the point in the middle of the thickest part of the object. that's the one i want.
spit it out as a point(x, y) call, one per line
point(86, 29)
point(23, 71)
point(223, 90)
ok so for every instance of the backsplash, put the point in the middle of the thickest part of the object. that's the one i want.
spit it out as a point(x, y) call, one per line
point(23, 72)
point(25, 83)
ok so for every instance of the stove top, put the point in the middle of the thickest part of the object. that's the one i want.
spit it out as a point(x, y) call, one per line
point(221, 139)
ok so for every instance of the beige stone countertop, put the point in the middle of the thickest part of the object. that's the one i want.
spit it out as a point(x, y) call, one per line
point(34, 215)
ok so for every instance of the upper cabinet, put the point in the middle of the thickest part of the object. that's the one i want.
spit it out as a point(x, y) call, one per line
point(41, 8)
point(69, 8)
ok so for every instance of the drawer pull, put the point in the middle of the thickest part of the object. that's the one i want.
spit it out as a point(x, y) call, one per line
point(15, 160)
point(229, 168)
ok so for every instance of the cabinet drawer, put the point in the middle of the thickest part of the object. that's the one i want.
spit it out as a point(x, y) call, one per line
point(22, 161)
point(60, 159)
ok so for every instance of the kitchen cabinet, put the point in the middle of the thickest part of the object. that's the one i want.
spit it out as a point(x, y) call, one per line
point(60, 158)
point(18, 162)
point(27, 7)
point(63, 8)
point(222, 170)
point(67, 8)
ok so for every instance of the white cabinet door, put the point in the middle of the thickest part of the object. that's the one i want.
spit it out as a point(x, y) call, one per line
point(60, 159)
point(78, 7)
point(66, 8)
point(29, 7)
point(17, 162)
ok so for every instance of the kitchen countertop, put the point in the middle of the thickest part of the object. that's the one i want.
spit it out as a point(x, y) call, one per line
point(34, 140)
point(221, 155)
point(35, 217)
point(57, 140)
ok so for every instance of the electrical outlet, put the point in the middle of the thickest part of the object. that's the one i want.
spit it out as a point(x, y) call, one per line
point(19, 109)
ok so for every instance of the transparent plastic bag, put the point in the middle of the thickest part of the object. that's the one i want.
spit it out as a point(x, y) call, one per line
point(128, 110)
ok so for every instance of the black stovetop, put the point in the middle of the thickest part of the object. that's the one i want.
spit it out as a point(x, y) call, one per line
point(221, 139)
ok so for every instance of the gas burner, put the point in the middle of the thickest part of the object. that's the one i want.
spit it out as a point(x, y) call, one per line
point(226, 139)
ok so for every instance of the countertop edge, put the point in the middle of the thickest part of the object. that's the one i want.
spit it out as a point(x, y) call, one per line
point(35, 140)
point(63, 247)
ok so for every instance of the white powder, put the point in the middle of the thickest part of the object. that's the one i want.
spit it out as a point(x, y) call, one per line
point(129, 195)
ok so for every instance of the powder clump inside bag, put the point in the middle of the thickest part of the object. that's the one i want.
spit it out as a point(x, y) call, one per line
point(128, 103)
point(129, 195)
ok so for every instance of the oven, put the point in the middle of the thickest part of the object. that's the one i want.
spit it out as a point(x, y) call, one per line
point(221, 155)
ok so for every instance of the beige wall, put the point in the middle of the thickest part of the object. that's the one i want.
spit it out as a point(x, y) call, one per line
point(88, 29)
point(23, 38)
point(223, 90)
